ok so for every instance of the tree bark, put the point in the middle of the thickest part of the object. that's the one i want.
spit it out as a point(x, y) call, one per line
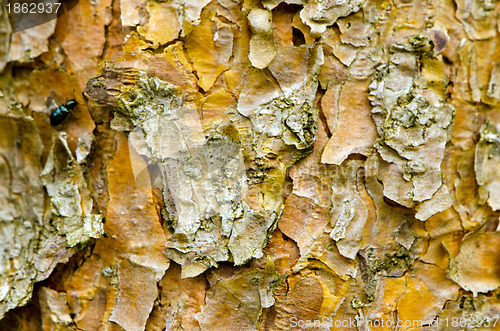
point(251, 165)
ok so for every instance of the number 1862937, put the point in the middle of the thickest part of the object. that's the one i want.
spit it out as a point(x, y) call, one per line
point(468, 322)
point(32, 8)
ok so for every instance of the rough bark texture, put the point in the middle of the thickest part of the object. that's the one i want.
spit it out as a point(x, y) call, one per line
point(252, 165)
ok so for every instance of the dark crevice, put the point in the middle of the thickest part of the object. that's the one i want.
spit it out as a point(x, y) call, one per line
point(298, 37)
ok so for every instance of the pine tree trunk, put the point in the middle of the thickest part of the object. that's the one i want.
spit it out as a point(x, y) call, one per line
point(251, 165)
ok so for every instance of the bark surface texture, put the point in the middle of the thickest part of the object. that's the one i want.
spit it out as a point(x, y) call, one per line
point(252, 165)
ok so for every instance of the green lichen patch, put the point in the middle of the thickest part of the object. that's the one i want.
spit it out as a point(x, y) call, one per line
point(392, 264)
point(201, 174)
point(413, 121)
point(71, 203)
point(148, 98)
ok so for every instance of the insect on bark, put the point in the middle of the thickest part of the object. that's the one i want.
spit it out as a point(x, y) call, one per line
point(59, 115)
